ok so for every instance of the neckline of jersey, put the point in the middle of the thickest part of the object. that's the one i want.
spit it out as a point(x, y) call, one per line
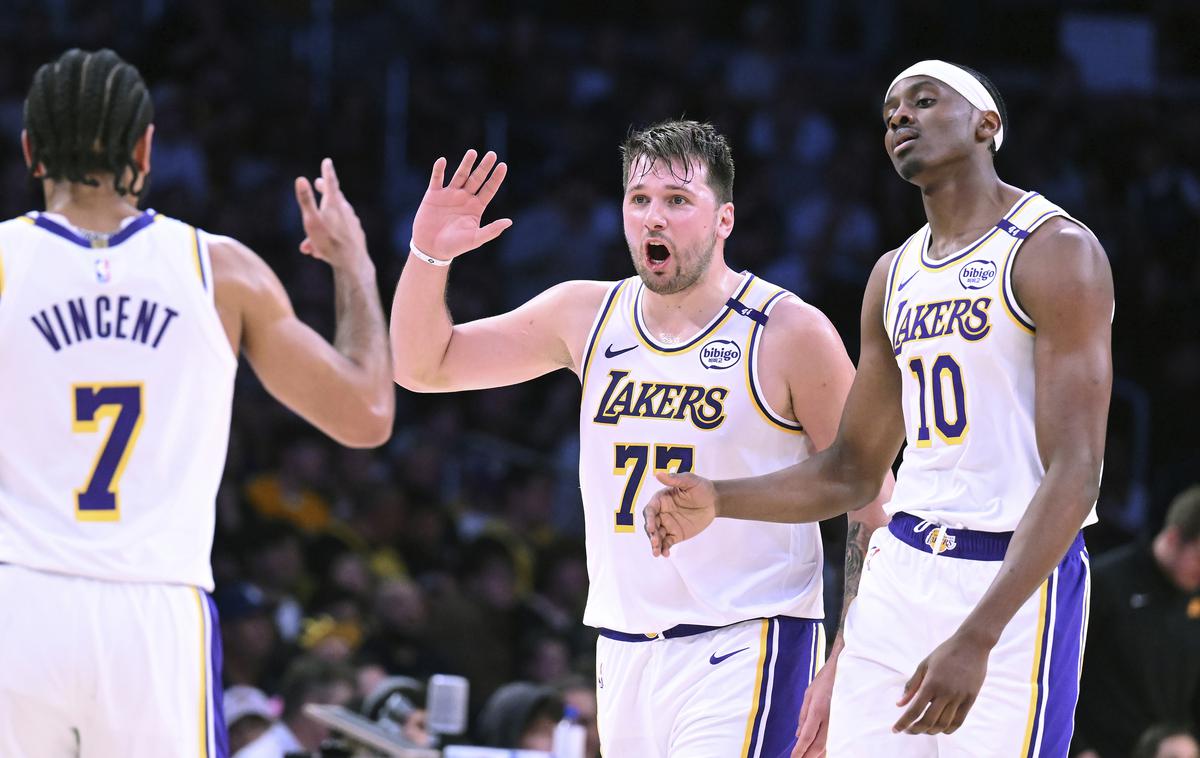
point(139, 222)
point(644, 330)
point(955, 257)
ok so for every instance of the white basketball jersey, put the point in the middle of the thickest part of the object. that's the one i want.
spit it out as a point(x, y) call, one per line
point(965, 350)
point(116, 379)
point(693, 406)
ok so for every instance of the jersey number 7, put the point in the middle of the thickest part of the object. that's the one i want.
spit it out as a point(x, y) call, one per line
point(632, 461)
point(98, 499)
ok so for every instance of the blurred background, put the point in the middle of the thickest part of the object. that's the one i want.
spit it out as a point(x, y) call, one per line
point(458, 546)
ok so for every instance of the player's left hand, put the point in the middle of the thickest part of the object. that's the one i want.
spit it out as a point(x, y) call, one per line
point(814, 714)
point(944, 687)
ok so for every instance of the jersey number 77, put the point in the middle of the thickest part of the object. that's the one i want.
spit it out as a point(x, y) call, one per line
point(632, 460)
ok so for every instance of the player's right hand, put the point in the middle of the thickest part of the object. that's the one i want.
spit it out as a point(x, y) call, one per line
point(447, 223)
point(334, 233)
point(680, 512)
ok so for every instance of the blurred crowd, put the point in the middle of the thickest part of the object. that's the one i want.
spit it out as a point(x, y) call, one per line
point(458, 546)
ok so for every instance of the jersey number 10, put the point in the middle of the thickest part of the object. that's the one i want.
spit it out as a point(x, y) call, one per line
point(97, 500)
point(951, 427)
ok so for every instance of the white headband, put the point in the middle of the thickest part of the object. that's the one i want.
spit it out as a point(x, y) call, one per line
point(962, 82)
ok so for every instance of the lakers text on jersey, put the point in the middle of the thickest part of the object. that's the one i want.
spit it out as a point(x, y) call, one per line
point(964, 347)
point(692, 406)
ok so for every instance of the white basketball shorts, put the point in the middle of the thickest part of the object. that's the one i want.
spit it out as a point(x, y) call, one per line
point(919, 582)
point(107, 669)
point(706, 692)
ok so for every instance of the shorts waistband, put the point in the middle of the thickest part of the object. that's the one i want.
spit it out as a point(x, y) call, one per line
point(682, 630)
point(966, 544)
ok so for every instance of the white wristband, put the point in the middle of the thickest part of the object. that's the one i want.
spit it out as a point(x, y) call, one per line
point(412, 247)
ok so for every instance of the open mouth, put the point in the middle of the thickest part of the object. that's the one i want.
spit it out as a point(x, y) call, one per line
point(657, 254)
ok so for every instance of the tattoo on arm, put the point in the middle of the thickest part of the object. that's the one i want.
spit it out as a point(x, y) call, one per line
point(857, 537)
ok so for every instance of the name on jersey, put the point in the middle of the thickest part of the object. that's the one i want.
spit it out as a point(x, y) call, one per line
point(923, 321)
point(625, 397)
point(104, 317)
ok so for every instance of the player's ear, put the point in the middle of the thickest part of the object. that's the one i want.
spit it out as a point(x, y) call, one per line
point(141, 150)
point(988, 125)
point(725, 218)
point(27, 150)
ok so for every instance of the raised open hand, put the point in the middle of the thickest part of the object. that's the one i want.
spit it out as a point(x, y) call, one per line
point(680, 512)
point(334, 233)
point(447, 223)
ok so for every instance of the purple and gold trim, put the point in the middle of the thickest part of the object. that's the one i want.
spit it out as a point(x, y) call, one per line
point(760, 403)
point(135, 226)
point(1007, 292)
point(601, 321)
point(787, 664)
point(1009, 295)
point(1058, 657)
point(213, 737)
point(649, 342)
point(893, 270)
point(198, 257)
point(965, 252)
point(762, 686)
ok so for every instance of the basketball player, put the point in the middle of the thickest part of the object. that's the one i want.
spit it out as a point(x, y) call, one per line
point(986, 343)
point(119, 336)
point(689, 365)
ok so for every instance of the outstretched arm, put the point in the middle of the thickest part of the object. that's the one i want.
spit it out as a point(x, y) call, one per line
point(343, 389)
point(846, 476)
point(1063, 280)
point(430, 352)
point(819, 377)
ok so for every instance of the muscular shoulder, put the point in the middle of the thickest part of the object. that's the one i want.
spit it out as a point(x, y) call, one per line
point(798, 323)
point(582, 295)
point(570, 308)
point(1062, 262)
point(569, 305)
point(245, 288)
point(1060, 244)
point(879, 272)
point(237, 267)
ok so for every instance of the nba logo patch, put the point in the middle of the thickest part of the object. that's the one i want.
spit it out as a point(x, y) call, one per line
point(103, 270)
point(931, 539)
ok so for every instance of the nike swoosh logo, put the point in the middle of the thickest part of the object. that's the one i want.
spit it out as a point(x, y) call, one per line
point(610, 353)
point(715, 659)
point(906, 281)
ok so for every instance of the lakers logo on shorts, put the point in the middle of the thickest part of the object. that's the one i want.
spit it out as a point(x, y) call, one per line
point(932, 539)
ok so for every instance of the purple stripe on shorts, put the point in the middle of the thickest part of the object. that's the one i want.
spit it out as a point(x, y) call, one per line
point(1047, 643)
point(216, 661)
point(1063, 684)
point(793, 672)
point(761, 707)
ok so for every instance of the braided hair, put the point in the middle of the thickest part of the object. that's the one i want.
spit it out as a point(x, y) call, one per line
point(84, 114)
